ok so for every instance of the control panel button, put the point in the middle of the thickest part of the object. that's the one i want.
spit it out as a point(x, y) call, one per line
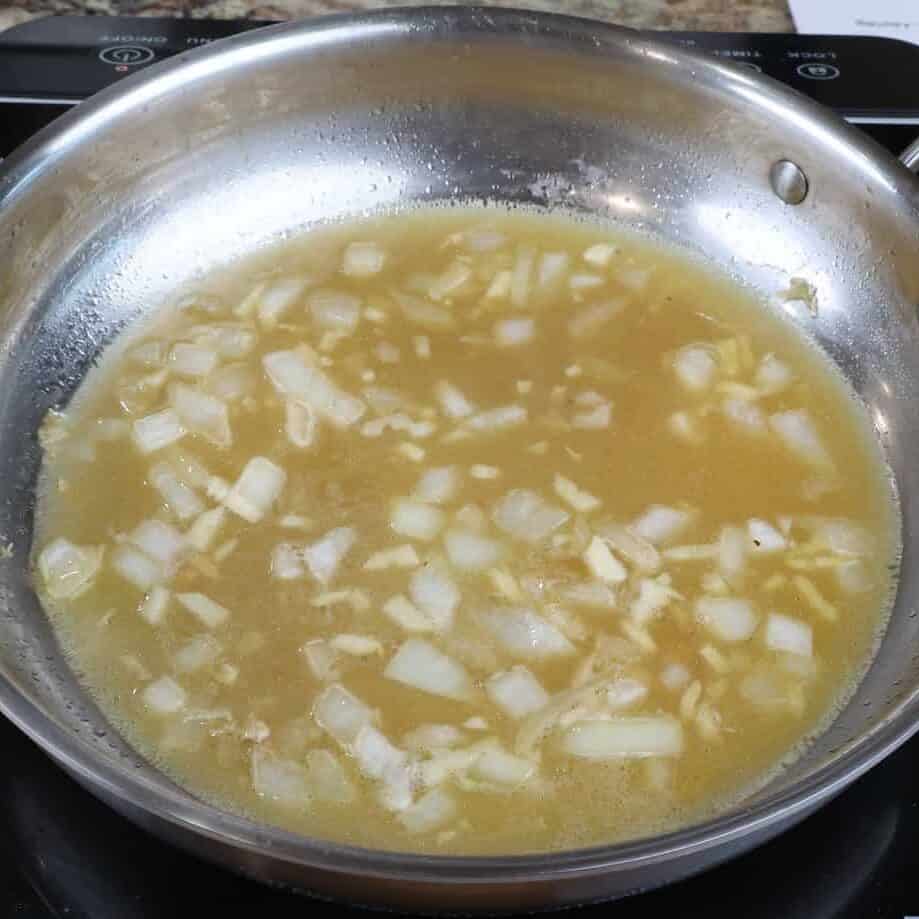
point(126, 55)
point(817, 71)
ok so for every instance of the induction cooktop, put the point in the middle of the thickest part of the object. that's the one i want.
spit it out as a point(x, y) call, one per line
point(67, 855)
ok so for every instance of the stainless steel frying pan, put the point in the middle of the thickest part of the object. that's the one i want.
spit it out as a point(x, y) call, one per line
point(205, 157)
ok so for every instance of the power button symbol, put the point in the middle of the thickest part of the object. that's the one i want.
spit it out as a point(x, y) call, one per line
point(126, 55)
point(817, 71)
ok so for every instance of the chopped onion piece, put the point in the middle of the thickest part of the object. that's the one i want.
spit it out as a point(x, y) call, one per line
point(732, 554)
point(695, 367)
point(192, 360)
point(637, 736)
point(190, 470)
point(593, 419)
point(436, 595)
point(842, 537)
point(526, 634)
point(472, 516)
point(592, 594)
point(198, 652)
point(374, 754)
point(257, 488)
point(277, 298)
point(525, 515)
point(510, 333)
point(227, 673)
point(356, 645)
point(287, 562)
point(520, 276)
point(798, 433)
point(256, 730)
point(153, 432)
point(202, 533)
point(397, 422)
point(292, 377)
point(403, 556)
point(300, 424)
point(599, 255)
point(784, 633)
point(149, 354)
point(422, 347)
point(405, 614)
point(341, 714)
point(675, 677)
point(772, 376)
point(202, 414)
point(415, 519)
point(550, 274)
point(471, 552)
point(296, 522)
point(500, 286)
point(452, 282)
point(582, 501)
point(438, 485)
point(397, 787)
point(746, 416)
point(854, 577)
point(280, 780)
point(452, 402)
point(164, 696)
point(624, 692)
point(136, 567)
point(110, 430)
point(686, 427)
point(423, 313)
point(68, 570)
point(497, 419)
point(387, 353)
point(363, 259)
point(419, 664)
point(652, 598)
point(431, 737)
point(590, 319)
point(154, 605)
point(430, 811)
point(581, 281)
point(727, 618)
point(603, 564)
point(320, 658)
point(499, 767)
point(516, 692)
point(691, 553)
point(232, 382)
point(231, 341)
point(632, 547)
point(179, 497)
point(763, 538)
point(209, 612)
point(484, 473)
point(659, 525)
point(160, 541)
point(325, 555)
point(327, 778)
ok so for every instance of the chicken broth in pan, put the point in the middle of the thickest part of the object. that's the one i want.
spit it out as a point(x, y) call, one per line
point(466, 531)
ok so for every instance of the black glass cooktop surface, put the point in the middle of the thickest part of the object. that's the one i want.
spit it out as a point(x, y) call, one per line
point(66, 855)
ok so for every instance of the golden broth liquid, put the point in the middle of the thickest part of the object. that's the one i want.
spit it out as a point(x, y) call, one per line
point(608, 609)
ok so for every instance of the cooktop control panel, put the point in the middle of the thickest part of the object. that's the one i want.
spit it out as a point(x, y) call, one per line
point(57, 62)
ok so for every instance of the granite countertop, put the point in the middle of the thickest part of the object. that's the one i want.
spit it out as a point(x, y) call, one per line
point(714, 15)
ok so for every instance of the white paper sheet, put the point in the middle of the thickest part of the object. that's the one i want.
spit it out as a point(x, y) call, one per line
point(884, 18)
